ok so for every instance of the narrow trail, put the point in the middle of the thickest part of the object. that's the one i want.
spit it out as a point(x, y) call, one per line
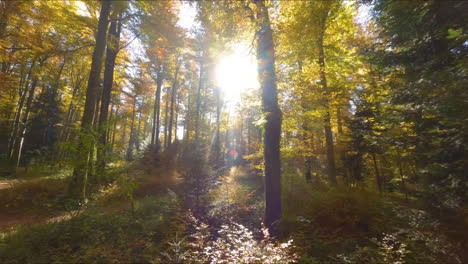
point(232, 198)
point(231, 230)
point(10, 222)
point(5, 184)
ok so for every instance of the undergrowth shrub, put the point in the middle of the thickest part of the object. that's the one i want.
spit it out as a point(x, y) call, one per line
point(357, 226)
point(96, 236)
point(37, 194)
point(329, 222)
point(232, 198)
point(232, 243)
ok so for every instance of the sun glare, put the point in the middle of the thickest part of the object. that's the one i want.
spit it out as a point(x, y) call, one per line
point(236, 72)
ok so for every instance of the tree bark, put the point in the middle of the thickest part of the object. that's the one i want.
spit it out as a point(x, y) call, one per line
point(166, 118)
point(331, 167)
point(173, 102)
point(22, 130)
point(341, 151)
point(131, 141)
point(138, 130)
point(16, 121)
point(187, 121)
point(111, 55)
point(157, 112)
point(272, 114)
point(378, 179)
point(176, 118)
point(79, 179)
point(114, 129)
point(198, 103)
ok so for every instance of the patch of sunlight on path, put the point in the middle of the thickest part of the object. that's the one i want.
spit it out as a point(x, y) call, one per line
point(7, 183)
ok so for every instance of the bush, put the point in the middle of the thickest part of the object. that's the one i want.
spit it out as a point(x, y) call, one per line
point(329, 222)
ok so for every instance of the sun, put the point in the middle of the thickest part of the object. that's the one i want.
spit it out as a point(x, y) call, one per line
point(236, 72)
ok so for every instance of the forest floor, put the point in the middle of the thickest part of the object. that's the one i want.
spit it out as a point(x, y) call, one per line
point(13, 193)
point(148, 216)
point(5, 184)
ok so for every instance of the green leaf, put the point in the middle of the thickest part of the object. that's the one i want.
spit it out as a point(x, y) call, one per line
point(454, 33)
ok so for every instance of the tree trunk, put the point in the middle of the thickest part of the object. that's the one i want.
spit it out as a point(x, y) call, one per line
point(187, 121)
point(124, 132)
point(331, 168)
point(173, 102)
point(131, 141)
point(108, 129)
point(217, 139)
point(402, 177)
point(156, 114)
point(111, 55)
point(341, 151)
point(378, 179)
point(114, 129)
point(272, 114)
point(176, 118)
point(166, 118)
point(16, 121)
point(79, 179)
point(63, 136)
point(198, 103)
point(22, 130)
point(140, 118)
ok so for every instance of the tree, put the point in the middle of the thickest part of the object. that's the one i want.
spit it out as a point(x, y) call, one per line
point(423, 57)
point(271, 112)
point(111, 54)
point(81, 170)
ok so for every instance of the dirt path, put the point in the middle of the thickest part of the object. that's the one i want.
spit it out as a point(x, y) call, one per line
point(7, 183)
point(9, 222)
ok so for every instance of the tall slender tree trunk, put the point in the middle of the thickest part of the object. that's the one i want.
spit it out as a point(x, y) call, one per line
point(145, 129)
point(402, 177)
point(272, 113)
point(63, 136)
point(166, 119)
point(19, 110)
point(21, 133)
point(176, 118)
point(124, 132)
point(378, 179)
point(187, 121)
point(78, 181)
point(131, 141)
point(157, 112)
point(109, 125)
point(331, 167)
point(173, 102)
point(22, 130)
point(140, 119)
point(198, 103)
point(111, 55)
point(341, 151)
point(217, 139)
point(114, 129)
point(305, 135)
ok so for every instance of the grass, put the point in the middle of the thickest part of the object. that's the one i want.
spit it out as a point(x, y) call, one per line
point(133, 219)
point(37, 195)
point(130, 220)
point(95, 236)
point(357, 225)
